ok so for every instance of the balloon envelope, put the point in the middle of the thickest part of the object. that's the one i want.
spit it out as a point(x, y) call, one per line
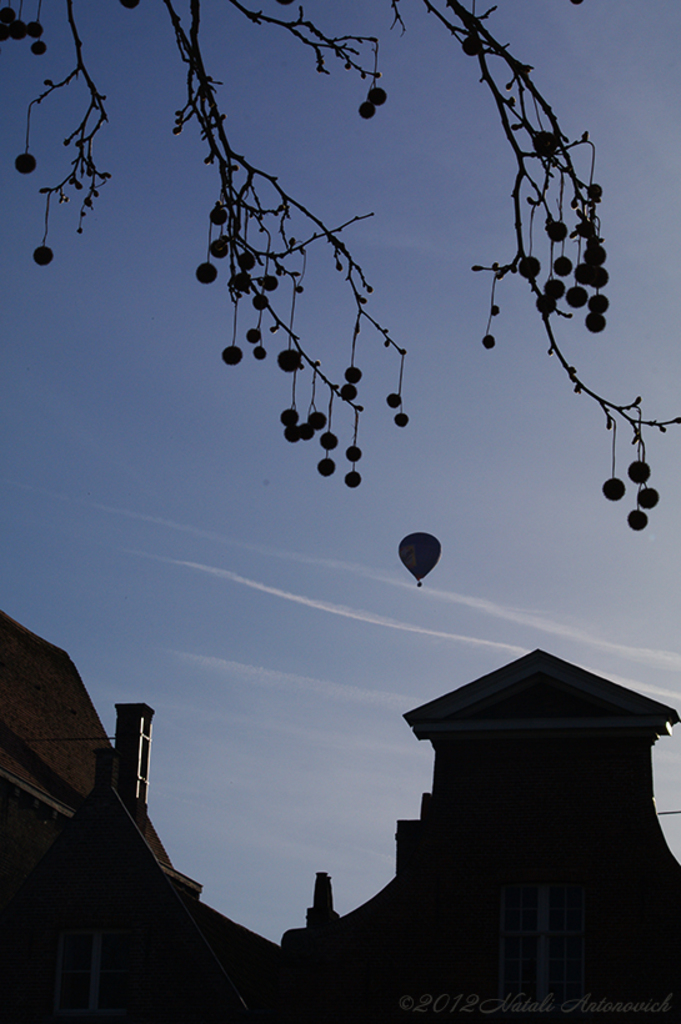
point(420, 552)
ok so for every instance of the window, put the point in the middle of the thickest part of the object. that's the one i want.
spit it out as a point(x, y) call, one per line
point(93, 972)
point(542, 941)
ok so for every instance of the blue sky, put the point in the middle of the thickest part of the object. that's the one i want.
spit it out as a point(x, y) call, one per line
point(156, 524)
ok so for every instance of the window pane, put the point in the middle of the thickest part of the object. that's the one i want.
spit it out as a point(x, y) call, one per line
point(74, 991)
point(77, 952)
point(520, 966)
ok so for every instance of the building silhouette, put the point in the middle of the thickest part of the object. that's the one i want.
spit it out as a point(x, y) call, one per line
point(535, 885)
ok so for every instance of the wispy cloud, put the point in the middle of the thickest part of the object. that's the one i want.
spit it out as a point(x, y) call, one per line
point(337, 609)
point(289, 681)
point(656, 658)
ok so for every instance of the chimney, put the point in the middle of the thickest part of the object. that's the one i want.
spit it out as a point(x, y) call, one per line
point(321, 910)
point(133, 744)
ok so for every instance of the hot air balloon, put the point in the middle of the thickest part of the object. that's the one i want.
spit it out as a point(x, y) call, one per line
point(420, 552)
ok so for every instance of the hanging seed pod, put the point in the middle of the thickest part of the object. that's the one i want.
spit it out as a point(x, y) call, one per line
point(328, 441)
point(289, 360)
point(648, 497)
point(639, 471)
point(637, 520)
point(43, 255)
point(232, 355)
point(614, 489)
point(206, 273)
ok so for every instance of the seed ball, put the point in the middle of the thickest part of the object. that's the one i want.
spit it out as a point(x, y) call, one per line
point(38, 48)
point(595, 255)
point(471, 45)
point(327, 466)
point(7, 15)
point(594, 191)
point(598, 303)
point(401, 419)
point(306, 431)
point(328, 441)
point(232, 355)
point(34, 29)
point(353, 375)
point(529, 267)
point(292, 433)
point(25, 163)
point(4, 32)
point(289, 417)
point(242, 281)
point(17, 29)
point(206, 272)
point(545, 144)
point(130, 4)
point(614, 489)
point(353, 479)
point(353, 453)
point(289, 360)
point(220, 247)
point(284, 3)
point(259, 352)
point(348, 392)
point(639, 471)
point(563, 266)
point(394, 400)
point(366, 110)
point(554, 288)
point(253, 335)
point(595, 322)
point(601, 277)
point(317, 420)
point(246, 260)
point(489, 341)
point(576, 297)
point(270, 283)
point(377, 96)
point(648, 497)
point(218, 215)
point(637, 520)
point(260, 301)
point(546, 304)
point(556, 230)
point(584, 274)
point(43, 255)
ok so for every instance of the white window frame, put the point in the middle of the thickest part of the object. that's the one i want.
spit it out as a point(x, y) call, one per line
point(543, 934)
point(94, 972)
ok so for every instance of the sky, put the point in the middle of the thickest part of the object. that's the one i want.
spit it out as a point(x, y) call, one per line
point(156, 524)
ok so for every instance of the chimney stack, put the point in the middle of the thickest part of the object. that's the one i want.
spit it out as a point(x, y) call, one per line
point(321, 910)
point(133, 744)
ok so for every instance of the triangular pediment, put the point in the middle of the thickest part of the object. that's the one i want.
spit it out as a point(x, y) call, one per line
point(541, 693)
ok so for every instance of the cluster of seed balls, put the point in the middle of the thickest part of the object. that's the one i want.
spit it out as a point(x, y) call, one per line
point(589, 273)
point(12, 27)
point(647, 497)
point(294, 431)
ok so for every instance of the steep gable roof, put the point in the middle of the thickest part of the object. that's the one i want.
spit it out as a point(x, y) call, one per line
point(49, 728)
point(540, 693)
